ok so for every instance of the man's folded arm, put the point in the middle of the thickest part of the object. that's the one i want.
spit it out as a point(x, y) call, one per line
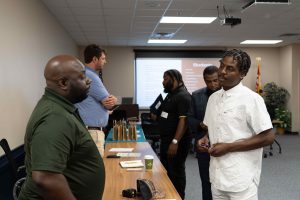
point(109, 102)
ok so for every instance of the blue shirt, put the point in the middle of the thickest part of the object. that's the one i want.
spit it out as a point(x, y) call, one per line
point(91, 110)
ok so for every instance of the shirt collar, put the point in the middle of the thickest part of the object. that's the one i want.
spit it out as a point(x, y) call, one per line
point(232, 91)
point(60, 100)
point(179, 88)
point(90, 69)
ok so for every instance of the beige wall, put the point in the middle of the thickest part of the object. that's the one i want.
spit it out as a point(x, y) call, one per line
point(119, 77)
point(30, 36)
point(118, 73)
point(123, 74)
point(295, 91)
point(269, 66)
point(278, 65)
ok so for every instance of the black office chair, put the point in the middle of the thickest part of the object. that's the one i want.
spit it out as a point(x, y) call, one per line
point(151, 131)
point(18, 174)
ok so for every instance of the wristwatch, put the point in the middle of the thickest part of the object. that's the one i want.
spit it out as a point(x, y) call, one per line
point(174, 141)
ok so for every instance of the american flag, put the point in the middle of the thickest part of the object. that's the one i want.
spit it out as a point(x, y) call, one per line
point(258, 81)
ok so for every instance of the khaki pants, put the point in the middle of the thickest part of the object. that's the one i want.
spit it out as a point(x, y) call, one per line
point(99, 139)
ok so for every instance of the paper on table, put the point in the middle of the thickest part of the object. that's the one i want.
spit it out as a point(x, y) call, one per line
point(134, 169)
point(129, 154)
point(121, 150)
point(131, 163)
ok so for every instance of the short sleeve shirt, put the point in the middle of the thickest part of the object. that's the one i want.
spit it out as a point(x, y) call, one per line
point(91, 110)
point(57, 141)
point(174, 106)
point(233, 115)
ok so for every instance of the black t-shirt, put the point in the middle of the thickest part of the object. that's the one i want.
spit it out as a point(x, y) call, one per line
point(175, 105)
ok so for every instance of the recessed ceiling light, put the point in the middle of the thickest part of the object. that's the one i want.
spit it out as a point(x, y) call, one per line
point(166, 41)
point(261, 41)
point(187, 20)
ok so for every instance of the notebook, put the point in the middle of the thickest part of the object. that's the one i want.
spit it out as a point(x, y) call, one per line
point(131, 163)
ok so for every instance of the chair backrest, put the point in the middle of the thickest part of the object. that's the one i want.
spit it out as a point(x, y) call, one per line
point(132, 110)
point(10, 158)
point(17, 173)
point(127, 100)
point(150, 127)
point(118, 115)
point(145, 117)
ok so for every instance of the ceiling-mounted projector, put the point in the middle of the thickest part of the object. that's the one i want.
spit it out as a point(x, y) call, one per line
point(254, 2)
point(230, 21)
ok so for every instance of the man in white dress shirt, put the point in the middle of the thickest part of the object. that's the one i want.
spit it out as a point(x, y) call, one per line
point(238, 127)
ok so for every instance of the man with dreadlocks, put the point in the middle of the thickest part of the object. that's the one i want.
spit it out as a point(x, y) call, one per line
point(238, 127)
point(175, 137)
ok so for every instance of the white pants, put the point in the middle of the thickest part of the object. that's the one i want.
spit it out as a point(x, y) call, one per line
point(99, 139)
point(249, 194)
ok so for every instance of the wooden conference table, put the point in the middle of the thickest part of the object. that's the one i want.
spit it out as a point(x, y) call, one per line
point(118, 179)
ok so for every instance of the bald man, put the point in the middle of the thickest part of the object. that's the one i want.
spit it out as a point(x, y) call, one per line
point(62, 160)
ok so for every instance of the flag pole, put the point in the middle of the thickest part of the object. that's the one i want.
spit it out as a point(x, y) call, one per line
point(258, 87)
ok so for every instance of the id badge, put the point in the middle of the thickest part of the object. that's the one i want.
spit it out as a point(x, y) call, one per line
point(157, 105)
point(164, 115)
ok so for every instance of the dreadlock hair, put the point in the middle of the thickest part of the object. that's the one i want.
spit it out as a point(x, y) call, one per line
point(242, 58)
point(210, 70)
point(175, 75)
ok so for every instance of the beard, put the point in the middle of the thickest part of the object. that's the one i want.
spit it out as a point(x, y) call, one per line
point(77, 94)
point(168, 87)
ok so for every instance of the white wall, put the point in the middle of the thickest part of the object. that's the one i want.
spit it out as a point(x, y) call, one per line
point(29, 37)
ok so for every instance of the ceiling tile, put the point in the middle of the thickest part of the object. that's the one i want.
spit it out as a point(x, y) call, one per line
point(118, 42)
point(124, 4)
point(90, 18)
point(56, 3)
point(84, 3)
point(118, 12)
point(149, 12)
point(114, 20)
point(86, 11)
point(153, 4)
point(135, 20)
point(152, 19)
point(60, 11)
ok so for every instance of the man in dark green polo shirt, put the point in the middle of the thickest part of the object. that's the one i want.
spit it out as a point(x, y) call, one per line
point(62, 161)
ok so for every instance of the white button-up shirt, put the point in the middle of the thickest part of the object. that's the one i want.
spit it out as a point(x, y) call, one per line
point(233, 115)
